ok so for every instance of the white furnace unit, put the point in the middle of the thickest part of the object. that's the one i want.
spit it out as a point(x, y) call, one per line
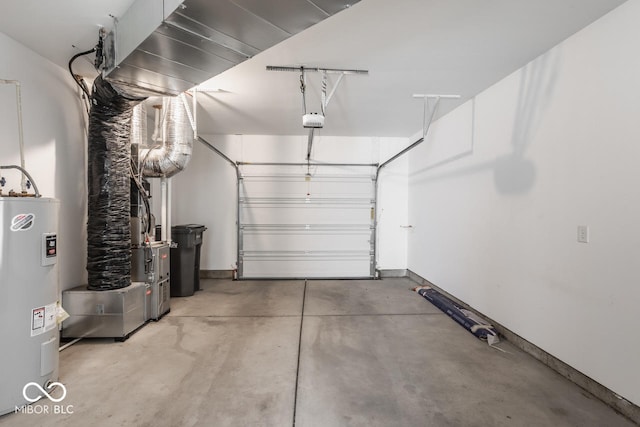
point(28, 298)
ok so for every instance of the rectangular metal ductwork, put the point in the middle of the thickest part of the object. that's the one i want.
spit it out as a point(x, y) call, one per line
point(165, 47)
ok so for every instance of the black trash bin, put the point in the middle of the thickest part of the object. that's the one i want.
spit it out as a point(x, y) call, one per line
point(185, 259)
point(198, 231)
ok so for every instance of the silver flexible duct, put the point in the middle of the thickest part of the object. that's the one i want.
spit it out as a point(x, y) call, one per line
point(171, 154)
point(139, 125)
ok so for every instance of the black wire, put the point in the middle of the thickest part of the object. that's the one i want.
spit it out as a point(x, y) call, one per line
point(145, 199)
point(78, 81)
point(143, 193)
point(87, 106)
point(99, 51)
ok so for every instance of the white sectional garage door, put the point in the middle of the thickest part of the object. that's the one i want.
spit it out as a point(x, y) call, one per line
point(306, 222)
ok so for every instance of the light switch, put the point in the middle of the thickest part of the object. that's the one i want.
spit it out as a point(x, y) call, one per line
point(583, 233)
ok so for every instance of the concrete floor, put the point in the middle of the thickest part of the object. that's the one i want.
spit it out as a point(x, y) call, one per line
point(370, 353)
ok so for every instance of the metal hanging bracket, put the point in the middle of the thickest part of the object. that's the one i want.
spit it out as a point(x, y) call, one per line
point(324, 97)
point(310, 144)
point(191, 112)
point(427, 123)
point(317, 69)
point(325, 71)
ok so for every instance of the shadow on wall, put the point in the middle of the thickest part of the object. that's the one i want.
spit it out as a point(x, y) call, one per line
point(513, 173)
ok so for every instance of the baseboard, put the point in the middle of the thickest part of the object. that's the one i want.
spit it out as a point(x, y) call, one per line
point(217, 274)
point(392, 273)
point(601, 392)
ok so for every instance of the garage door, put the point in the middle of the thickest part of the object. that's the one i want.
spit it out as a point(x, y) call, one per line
point(299, 221)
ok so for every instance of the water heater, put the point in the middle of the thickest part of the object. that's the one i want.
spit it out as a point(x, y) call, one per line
point(28, 297)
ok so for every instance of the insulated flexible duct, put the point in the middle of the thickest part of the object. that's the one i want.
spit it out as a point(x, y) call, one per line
point(109, 156)
point(173, 152)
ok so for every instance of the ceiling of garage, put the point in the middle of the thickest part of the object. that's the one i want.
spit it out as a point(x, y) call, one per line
point(409, 46)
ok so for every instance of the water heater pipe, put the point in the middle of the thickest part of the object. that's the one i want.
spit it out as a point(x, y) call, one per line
point(23, 183)
point(24, 173)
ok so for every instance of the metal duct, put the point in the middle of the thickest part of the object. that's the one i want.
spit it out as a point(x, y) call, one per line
point(173, 152)
point(109, 156)
point(168, 46)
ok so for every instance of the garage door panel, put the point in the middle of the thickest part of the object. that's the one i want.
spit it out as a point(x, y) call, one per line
point(265, 242)
point(314, 188)
point(306, 267)
point(297, 215)
point(294, 224)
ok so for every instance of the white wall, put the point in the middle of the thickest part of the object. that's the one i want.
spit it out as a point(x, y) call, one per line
point(498, 190)
point(205, 192)
point(54, 145)
point(393, 204)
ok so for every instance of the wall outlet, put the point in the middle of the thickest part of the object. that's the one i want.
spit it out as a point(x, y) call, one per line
point(583, 233)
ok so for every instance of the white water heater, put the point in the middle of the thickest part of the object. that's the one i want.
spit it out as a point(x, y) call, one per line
point(28, 297)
